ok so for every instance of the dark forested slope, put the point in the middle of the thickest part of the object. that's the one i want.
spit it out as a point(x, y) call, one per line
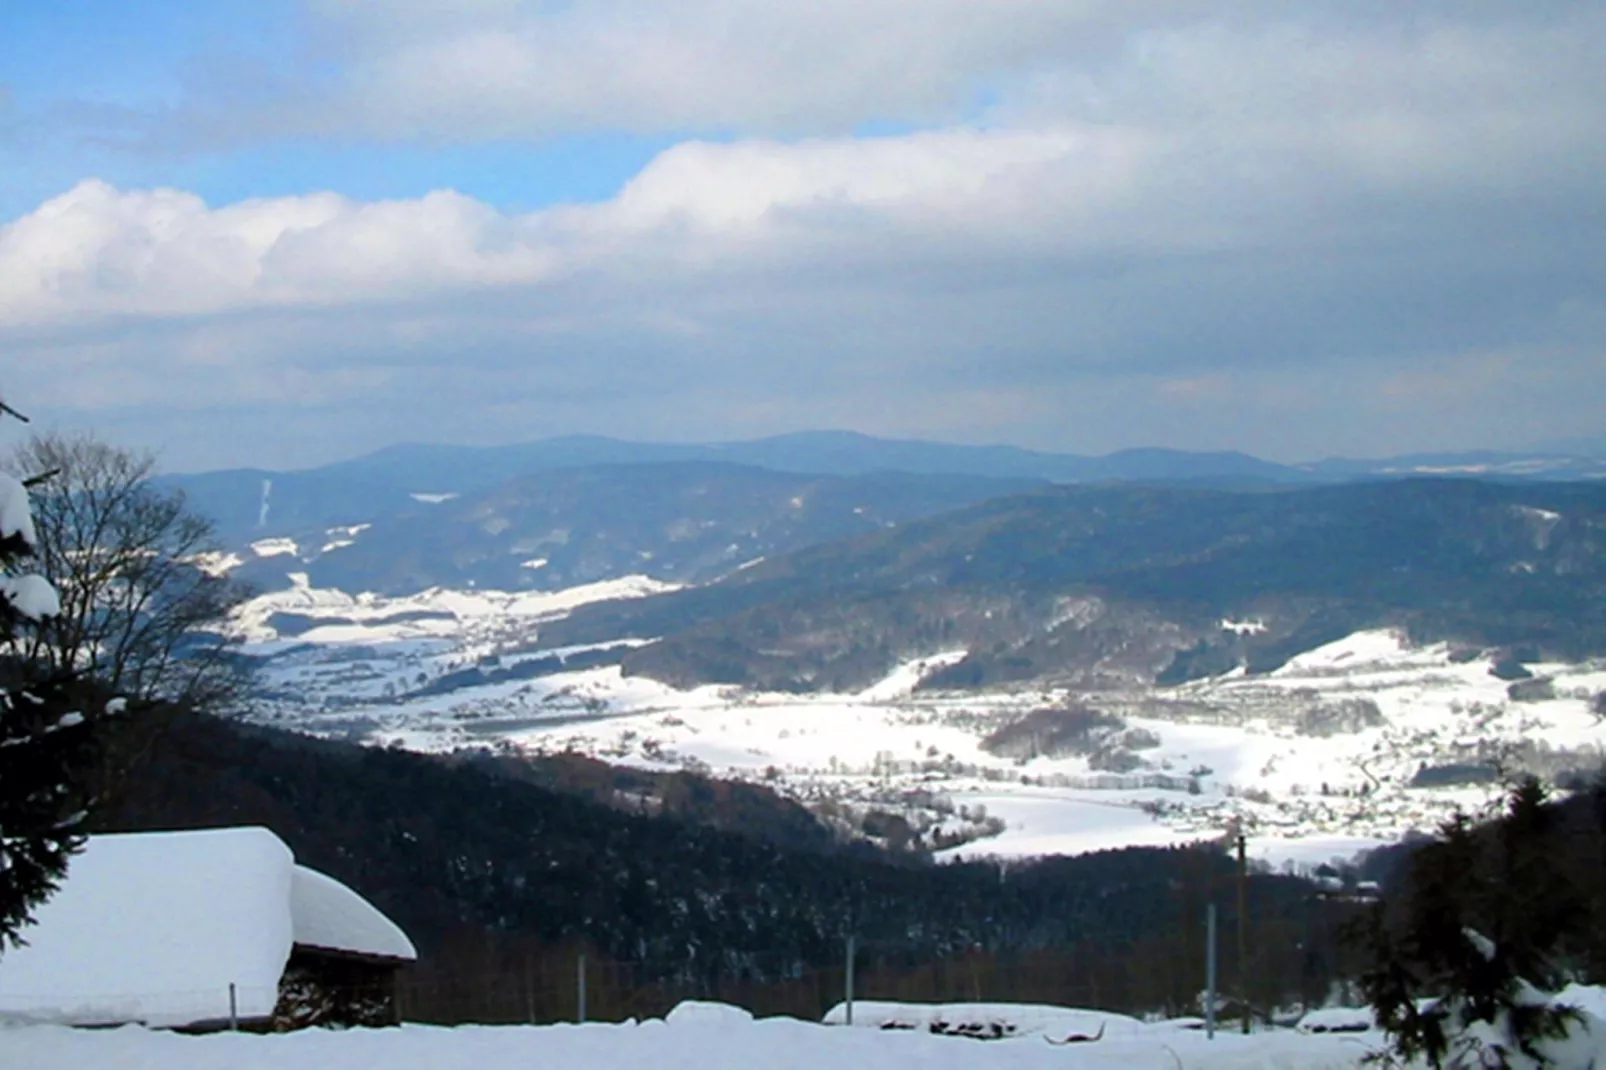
point(678, 522)
point(448, 846)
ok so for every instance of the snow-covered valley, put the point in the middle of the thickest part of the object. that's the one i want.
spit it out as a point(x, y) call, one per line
point(1347, 746)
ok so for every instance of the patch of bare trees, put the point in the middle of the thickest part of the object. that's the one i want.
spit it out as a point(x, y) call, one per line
point(140, 611)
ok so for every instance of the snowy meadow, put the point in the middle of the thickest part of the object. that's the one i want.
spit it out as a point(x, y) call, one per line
point(700, 1036)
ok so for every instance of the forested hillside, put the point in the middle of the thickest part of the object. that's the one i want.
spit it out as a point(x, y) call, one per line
point(1131, 583)
point(681, 522)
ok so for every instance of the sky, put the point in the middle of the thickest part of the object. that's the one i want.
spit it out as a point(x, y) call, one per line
point(284, 232)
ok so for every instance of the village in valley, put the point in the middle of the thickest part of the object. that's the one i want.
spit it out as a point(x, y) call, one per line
point(1353, 745)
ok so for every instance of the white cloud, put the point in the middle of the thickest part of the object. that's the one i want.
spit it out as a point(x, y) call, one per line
point(97, 251)
point(509, 69)
point(1208, 219)
point(966, 199)
point(529, 69)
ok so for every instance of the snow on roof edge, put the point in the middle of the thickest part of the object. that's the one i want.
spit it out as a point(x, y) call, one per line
point(328, 915)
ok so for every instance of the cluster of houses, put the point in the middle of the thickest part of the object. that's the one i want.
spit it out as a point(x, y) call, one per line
point(203, 930)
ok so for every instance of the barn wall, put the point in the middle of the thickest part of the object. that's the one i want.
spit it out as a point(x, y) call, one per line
point(321, 988)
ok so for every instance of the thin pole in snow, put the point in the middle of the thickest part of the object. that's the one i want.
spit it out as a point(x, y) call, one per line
point(234, 1009)
point(529, 990)
point(580, 987)
point(847, 981)
point(1210, 971)
point(1243, 928)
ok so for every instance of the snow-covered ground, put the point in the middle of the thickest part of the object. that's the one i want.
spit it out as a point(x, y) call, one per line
point(1059, 1024)
point(694, 1037)
point(1315, 761)
point(371, 618)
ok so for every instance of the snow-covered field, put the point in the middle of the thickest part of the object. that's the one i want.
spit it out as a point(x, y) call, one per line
point(710, 1036)
point(694, 1037)
point(1315, 761)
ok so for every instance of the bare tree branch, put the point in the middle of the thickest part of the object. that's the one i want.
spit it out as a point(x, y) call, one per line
point(138, 612)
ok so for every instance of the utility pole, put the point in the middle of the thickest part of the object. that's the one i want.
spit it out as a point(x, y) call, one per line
point(529, 989)
point(580, 988)
point(1210, 972)
point(847, 980)
point(1243, 926)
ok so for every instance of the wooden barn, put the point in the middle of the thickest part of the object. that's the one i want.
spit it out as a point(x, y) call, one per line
point(204, 930)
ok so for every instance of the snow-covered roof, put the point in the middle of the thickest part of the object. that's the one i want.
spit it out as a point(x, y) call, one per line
point(1338, 1020)
point(328, 915)
point(155, 927)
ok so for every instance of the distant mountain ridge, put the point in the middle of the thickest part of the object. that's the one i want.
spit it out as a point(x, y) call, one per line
point(256, 503)
point(814, 452)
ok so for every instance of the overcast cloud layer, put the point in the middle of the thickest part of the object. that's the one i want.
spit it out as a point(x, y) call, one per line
point(1074, 225)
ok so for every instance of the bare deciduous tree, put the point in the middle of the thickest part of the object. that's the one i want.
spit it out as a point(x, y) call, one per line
point(140, 611)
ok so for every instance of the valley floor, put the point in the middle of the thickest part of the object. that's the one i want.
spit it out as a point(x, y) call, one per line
point(1346, 747)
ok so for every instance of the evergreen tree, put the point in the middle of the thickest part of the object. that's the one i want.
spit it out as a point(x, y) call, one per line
point(1461, 978)
point(45, 739)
